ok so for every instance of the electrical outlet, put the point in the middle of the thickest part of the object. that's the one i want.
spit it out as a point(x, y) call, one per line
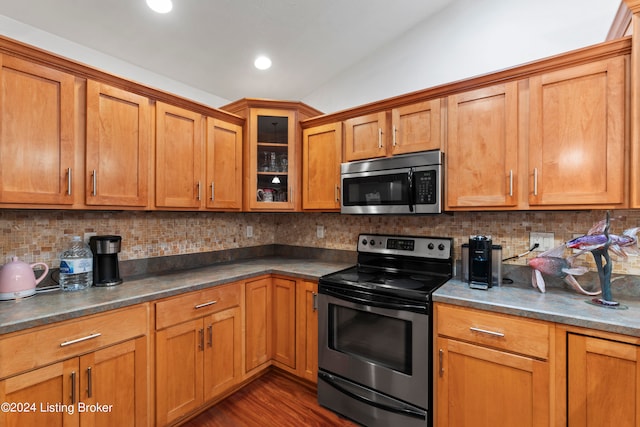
point(320, 231)
point(545, 241)
point(87, 236)
point(249, 231)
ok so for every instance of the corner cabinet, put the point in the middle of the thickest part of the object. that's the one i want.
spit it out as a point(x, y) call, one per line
point(490, 369)
point(39, 160)
point(118, 147)
point(272, 153)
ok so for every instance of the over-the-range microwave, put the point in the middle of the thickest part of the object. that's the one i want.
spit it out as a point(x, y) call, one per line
point(404, 184)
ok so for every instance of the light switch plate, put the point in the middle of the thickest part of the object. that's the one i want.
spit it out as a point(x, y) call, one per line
point(320, 231)
point(249, 231)
point(545, 241)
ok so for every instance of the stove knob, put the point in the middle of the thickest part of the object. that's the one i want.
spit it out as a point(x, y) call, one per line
point(364, 242)
point(441, 246)
point(430, 246)
point(372, 242)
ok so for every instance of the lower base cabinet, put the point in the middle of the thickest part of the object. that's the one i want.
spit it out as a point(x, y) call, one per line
point(197, 360)
point(102, 387)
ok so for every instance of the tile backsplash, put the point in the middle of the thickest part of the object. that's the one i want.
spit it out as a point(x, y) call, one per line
point(39, 236)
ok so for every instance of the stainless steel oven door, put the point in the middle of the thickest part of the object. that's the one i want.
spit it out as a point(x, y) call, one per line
point(384, 349)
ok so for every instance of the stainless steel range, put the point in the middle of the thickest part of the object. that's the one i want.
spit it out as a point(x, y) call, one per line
point(374, 336)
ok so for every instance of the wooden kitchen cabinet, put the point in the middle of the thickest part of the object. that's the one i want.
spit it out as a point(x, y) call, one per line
point(258, 324)
point(600, 383)
point(482, 148)
point(491, 369)
point(179, 155)
point(307, 330)
point(198, 349)
point(321, 158)
point(577, 136)
point(38, 143)
point(118, 147)
point(284, 322)
point(414, 127)
point(223, 165)
point(98, 360)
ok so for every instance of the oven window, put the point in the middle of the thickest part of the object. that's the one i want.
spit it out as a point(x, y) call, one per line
point(378, 339)
point(390, 189)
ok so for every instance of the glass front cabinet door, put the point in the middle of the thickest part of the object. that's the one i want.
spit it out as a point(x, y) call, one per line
point(273, 179)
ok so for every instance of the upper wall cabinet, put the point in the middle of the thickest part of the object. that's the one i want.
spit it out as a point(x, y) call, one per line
point(321, 158)
point(482, 148)
point(577, 136)
point(223, 165)
point(179, 154)
point(414, 127)
point(118, 147)
point(37, 135)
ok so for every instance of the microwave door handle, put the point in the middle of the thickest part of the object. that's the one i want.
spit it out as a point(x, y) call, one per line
point(410, 189)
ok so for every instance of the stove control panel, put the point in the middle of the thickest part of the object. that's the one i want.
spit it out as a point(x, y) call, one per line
point(422, 247)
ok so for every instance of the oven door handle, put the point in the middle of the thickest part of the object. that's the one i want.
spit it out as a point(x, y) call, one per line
point(374, 303)
point(334, 381)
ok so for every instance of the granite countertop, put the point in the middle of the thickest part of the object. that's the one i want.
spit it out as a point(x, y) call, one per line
point(56, 306)
point(556, 305)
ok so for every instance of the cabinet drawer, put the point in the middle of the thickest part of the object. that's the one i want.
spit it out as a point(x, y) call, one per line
point(510, 333)
point(196, 304)
point(42, 346)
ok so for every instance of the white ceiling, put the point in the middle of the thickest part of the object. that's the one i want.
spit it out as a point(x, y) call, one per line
point(210, 45)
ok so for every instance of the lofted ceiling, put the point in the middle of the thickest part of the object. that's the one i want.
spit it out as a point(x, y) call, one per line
point(211, 44)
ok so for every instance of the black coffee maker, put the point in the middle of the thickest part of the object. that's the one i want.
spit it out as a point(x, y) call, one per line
point(480, 274)
point(106, 271)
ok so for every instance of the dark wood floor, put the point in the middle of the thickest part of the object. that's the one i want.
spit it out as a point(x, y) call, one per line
point(272, 400)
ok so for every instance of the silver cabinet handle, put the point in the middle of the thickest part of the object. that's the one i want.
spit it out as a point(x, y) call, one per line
point(484, 331)
point(535, 181)
point(73, 387)
point(210, 336)
point(69, 180)
point(198, 197)
point(337, 193)
point(315, 300)
point(89, 385)
point(94, 182)
point(394, 135)
point(205, 304)
point(379, 137)
point(212, 190)
point(511, 183)
point(440, 361)
point(77, 340)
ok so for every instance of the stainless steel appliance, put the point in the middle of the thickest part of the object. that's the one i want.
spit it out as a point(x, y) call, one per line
point(496, 264)
point(374, 330)
point(106, 269)
point(480, 251)
point(405, 184)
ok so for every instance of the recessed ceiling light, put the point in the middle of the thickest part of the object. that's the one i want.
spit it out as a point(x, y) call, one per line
point(160, 6)
point(262, 63)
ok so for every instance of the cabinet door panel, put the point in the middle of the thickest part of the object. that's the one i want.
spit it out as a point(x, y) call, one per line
point(603, 382)
point(307, 333)
point(37, 140)
point(224, 165)
point(45, 388)
point(577, 135)
point(322, 155)
point(472, 380)
point(179, 377)
point(223, 358)
point(416, 127)
point(115, 376)
point(365, 137)
point(284, 321)
point(258, 318)
point(178, 157)
point(482, 147)
point(118, 144)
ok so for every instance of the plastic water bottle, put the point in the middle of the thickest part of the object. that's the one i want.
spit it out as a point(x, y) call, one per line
point(76, 266)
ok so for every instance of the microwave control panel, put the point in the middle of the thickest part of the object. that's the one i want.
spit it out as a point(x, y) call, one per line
point(426, 187)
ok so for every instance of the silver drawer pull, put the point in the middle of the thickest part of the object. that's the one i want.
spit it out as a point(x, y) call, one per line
point(205, 304)
point(484, 331)
point(77, 340)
